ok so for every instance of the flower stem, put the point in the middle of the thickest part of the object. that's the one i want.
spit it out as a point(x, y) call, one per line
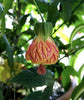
point(38, 10)
point(14, 91)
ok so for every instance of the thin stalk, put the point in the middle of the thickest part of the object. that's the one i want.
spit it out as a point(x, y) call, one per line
point(38, 10)
point(14, 91)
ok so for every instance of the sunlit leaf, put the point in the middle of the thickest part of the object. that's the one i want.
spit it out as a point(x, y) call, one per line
point(81, 72)
point(74, 58)
point(63, 36)
point(1, 69)
point(7, 5)
point(78, 42)
point(66, 76)
point(77, 29)
point(1, 10)
point(76, 45)
point(2, 24)
point(6, 69)
point(42, 4)
point(25, 37)
point(78, 91)
point(6, 76)
point(9, 52)
point(22, 21)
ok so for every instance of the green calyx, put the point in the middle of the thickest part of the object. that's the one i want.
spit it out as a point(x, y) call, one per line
point(44, 29)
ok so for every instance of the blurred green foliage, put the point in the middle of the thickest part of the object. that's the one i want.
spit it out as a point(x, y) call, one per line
point(15, 40)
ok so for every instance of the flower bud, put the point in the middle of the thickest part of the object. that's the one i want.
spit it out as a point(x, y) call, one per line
point(41, 69)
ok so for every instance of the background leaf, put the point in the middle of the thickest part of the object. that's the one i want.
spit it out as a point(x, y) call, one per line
point(34, 96)
point(47, 92)
point(78, 91)
point(66, 76)
point(1, 94)
point(74, 58)
point(42, 4)
point(1, 10)
point(77, 29)
point(66, 13)
point(22, 21)
point(32, 78)
point(9, 52)
point(2, 24)
point(81, 70)
point(17, 23)
point(53, 14)
point(40, 95)
point(7, 5)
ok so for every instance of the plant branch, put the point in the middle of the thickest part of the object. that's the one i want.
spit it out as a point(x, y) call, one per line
point(71, 52)
point(59, 27)
point(62, 57)
point(72, 13)
point(14, 86)
point(38, 10)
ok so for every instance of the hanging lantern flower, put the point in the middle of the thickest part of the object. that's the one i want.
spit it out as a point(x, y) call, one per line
point(42, 52)
point(43, 49)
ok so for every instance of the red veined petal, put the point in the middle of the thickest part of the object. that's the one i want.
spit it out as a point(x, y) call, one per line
point(39, 51)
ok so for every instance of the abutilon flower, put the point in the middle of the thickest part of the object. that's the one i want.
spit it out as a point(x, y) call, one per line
point(42, 50)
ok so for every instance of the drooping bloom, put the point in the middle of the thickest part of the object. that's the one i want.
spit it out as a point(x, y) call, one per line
point(42, 52)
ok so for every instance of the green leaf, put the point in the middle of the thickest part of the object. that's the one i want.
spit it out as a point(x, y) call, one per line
point(47, 92)
point(7, 5)
point(78, 42)
point(81, 70)
point(78, 91)
point(1, 1)
point(2, 24)
point(53, 14)
point(77, 29)
point(42, 4)
point(29, 34)
point(1, 94)
point(22, 21)
point(66, 9)
point(80, 10)
point(74, 57)
point(59, 43)
point(66, 76)
point(40, 95)
point(2, 45)
point(9, 52)
point(32, 78)
point(34, 96)
point(1, 10)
